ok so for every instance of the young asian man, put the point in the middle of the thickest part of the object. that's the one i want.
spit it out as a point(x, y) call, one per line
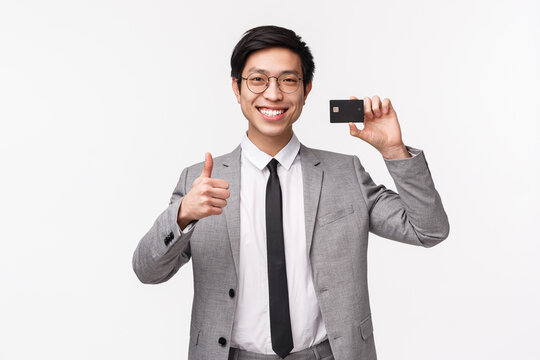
point(278, 232)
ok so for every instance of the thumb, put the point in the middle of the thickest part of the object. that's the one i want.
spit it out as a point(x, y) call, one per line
point(208, 164)
point(354, 131)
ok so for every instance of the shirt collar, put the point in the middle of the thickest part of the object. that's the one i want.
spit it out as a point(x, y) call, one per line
point(260, 159)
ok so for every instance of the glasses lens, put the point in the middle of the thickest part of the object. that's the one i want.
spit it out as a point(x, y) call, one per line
point(257, 82)
point(288, 83)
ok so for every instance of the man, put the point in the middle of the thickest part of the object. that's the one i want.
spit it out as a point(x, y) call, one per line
point(278, 232)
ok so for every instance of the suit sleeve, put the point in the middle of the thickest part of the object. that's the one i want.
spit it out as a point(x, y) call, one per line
point(164, 248)
point(415, 215)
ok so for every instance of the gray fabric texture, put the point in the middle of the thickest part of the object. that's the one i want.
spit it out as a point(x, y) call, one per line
point(342, 205)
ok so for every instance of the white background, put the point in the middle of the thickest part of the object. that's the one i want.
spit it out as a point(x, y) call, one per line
point(103, 103)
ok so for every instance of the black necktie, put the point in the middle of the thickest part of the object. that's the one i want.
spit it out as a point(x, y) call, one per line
point(280, 320)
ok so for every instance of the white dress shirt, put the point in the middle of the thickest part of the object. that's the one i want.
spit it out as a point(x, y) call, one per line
point(251, 330)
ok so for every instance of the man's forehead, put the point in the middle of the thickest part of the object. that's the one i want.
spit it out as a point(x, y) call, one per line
point(274, 60)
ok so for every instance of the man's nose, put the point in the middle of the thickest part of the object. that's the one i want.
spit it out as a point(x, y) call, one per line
point(273, 92)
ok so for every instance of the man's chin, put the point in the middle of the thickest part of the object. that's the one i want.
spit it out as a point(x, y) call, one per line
point(270, 130)
point(274, 131)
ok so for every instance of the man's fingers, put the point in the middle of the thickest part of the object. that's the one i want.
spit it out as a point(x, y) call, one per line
point(376, 105)
point(218, 183)
point(216, 202)
point(218, 193)
point(367, 108)
point(216, 210)
point(208, 164)
point(208, 185)
point(212, 210)
point(386, 105)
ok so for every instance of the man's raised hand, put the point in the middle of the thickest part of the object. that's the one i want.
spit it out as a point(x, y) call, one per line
point(381, 128)
point(206, 197)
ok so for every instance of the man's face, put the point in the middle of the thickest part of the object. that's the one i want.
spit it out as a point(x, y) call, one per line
point(272, 62)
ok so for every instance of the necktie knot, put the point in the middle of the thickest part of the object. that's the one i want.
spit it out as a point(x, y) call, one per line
point(272, 166)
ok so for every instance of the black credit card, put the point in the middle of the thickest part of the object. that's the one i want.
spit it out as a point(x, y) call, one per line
point(344, 111)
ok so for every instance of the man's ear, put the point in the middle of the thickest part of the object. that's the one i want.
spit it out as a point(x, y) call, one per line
point(307, 90)
point(236, 90)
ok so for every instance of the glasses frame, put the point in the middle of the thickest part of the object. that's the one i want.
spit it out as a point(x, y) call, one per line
point(268, 82)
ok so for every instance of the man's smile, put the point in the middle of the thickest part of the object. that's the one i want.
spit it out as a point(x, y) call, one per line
point(272, 113)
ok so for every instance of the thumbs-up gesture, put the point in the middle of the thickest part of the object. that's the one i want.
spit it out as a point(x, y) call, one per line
point(206, 197)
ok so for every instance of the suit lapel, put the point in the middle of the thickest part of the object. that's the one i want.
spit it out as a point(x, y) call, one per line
point(312, 181)
point(231, 173)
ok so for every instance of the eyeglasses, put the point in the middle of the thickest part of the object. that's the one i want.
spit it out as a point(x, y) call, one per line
point(257, 83)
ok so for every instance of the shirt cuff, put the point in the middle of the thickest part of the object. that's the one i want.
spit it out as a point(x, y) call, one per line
point(187, 229)
point(412, 151)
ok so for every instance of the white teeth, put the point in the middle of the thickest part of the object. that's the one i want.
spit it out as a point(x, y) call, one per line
point(271, 112)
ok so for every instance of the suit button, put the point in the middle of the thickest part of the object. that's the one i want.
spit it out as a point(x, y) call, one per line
point(231, 293)
point(222, 341)
point(168, 238)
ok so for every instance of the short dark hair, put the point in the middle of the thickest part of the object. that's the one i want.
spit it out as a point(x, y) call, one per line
point(268, 36)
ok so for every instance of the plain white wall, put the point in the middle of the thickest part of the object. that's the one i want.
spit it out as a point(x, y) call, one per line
point(103, 103)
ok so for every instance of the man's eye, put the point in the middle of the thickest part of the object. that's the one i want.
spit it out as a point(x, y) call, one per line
point(257, 79)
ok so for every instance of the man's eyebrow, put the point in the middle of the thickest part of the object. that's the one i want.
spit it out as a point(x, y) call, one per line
point(259, 70)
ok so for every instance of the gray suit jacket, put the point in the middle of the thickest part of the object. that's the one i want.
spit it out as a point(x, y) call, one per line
point(342, 205)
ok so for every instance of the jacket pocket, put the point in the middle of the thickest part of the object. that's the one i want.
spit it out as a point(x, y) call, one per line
point(335, 215)
point(366, 327)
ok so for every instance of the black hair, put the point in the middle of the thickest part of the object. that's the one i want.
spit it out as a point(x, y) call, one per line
point(267, 36)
